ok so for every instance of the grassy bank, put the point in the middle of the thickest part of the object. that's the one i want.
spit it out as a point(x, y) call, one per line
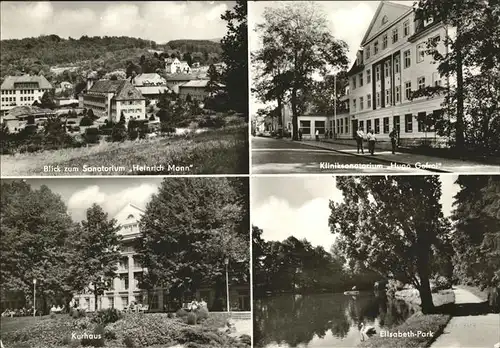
point(416, 324)
point(133, 330)
point(220, 151)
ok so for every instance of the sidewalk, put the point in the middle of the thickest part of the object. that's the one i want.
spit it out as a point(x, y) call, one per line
point(469, 331)
point(384, 154)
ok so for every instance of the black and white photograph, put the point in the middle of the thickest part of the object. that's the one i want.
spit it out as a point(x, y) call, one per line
point(125, 262)
point(376, 261)
point(374, 86)
point(124, 88)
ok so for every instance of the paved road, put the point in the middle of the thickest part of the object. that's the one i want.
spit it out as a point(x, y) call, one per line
point(271, 156)
point(469, 331)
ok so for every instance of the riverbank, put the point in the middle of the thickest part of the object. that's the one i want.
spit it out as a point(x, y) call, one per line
point(420, 330)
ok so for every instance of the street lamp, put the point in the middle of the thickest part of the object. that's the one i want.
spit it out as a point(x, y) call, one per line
point(226, 262)
point(34, 297)
point(334, 106)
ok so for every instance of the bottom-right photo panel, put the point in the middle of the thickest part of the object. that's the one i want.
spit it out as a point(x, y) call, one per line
point(376, 261)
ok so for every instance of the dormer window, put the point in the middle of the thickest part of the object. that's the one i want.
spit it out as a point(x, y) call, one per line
point(130, 217)
point(428, 21)
point(384, 20)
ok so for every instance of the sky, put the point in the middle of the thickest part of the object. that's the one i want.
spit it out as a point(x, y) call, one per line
point(298, 206)
point(112, 194)
point(158, 21)
point(347, 20)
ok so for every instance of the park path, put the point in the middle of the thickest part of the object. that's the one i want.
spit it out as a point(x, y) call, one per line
point(469, 331)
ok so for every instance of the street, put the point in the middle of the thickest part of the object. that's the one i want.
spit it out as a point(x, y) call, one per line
point(273, 156)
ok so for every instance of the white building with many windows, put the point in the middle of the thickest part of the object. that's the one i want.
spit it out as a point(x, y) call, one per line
point(22, 90)
point(390, 66)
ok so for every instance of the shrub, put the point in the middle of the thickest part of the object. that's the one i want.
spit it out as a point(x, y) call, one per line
point(191, 318)
point(129, 342)
point(74, 313)
point(246, 339)
point(86, 121)
point(52, 315)
point(181, 313)
point(107, 316)
point(202, 313)
point(95, 342)
point(440, 283)
point(92, 135)
point(82, 313)
point(109, 334)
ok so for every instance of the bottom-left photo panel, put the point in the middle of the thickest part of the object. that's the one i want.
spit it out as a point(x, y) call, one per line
point(125, 262)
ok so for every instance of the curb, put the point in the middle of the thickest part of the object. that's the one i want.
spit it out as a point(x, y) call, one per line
point(371, 157)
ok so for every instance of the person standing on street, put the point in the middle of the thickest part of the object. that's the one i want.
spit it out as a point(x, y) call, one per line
point(371, 141)
point(317, 135)
point(394, 140)
point(360, 135)
point(300, 134)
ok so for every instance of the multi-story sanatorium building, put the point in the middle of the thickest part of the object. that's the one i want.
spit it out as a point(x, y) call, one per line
point(390, 65)
point(125, 287)
point(22, 90)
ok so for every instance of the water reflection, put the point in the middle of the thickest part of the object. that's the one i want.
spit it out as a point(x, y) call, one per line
point(325, 320)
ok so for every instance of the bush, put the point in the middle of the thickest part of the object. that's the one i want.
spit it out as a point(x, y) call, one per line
point(129, 342)
point(95, 342)
point(202, 313)
point(107, 316)
point(441, 283)
point(92, 135)
point(86, 121)
point(74, 313)
point(191, 318)
point(181, 313)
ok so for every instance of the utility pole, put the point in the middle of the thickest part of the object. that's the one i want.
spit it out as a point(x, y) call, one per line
point(335, 106)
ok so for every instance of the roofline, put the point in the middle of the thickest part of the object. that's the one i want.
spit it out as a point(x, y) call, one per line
point(133, 206)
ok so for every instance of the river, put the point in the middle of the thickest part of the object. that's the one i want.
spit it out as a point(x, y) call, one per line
point(323, 320)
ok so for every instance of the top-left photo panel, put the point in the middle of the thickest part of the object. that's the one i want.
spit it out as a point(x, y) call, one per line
point(124, 88)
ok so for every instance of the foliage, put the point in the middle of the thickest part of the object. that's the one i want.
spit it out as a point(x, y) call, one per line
point(204, 218)
point(47, 101)
point(107, 316)
point(191, 318)
point(119, 130)
point(97, 246)
point(296, 44)
point(391, 224)
point(86, 121)
point(476, 237)
point(235, 56)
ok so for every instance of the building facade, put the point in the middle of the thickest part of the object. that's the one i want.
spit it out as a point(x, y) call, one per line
point(175, 66)
point(22, 90)
point(111, 98)
point(151, 86)
point(197, 89)
point(125, 287)
point(390, 67)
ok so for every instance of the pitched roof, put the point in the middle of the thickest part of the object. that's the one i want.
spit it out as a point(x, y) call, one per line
point(147, 90)
point(198, 83)
point(141, 79)
point(26, 110)
point(9, 81)
point(122, 89)
point(182, 77)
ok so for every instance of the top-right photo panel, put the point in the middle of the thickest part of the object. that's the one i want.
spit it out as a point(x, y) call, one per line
point(374, 87)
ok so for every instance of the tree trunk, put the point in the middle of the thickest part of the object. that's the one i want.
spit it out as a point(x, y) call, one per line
point(294, 97)
point(425, 287)
point(96, 297)
point(460, 97)
point(280, 115)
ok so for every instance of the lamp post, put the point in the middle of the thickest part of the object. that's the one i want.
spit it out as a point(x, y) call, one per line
point(226, 262)
point(334, 106)
point(34, 297)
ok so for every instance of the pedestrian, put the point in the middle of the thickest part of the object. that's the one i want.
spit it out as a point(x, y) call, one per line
point(317, 135)
point(360, 135)
point(394, 140)
point(300, 134)
point(371, 141)
point(326, 134)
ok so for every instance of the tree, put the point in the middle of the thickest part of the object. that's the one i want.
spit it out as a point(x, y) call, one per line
point(86, 121)
point(98, 243)
point(35, 228)
point(476, 236)
point(90, 114)
point(297, 43)
point(472, 61)
point(47, 101)
point(119, 131)
point(187, 57)
point(390, 224)
point(203, 217)
point(213, 85)
point(234, 54)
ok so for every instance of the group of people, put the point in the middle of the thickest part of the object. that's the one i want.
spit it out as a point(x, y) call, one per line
point(370, 137)
point(22, 312)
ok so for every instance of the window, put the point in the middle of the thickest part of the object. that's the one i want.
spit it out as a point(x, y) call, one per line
point(384, 20)
point(367, 52)
point(341, 125)
point(319, 126)
point(361, 79)
point(386, 125)
point(408, 123)
point(377, 73)
point(361, 125)
point(420, 53)
point(377, 126)
point(354, 104)
point(428, 21)
point(388, 97)
point(361, 103)
point(368, 125)
point(375, 47)
point(368, 76)
point(406, 28)
point(421, 82)
point(338, 126)
point(111, 301)
point(125, 281)
point(154, 301)
point(384, 41)
point(421, 118)
point(377, 101)
point(407, 58)
point(353, 82)
point(346, 123)
point(408, 90)
point(387, 68)
point(397, 94)
point(306, 127)
point(395, 122)
point(395, 35)
point(396, 64)
point(369, 101)
point(125, 301)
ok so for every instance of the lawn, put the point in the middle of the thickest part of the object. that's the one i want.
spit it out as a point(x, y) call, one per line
point(416, 324)
point(218, 151)
point(133, 330)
